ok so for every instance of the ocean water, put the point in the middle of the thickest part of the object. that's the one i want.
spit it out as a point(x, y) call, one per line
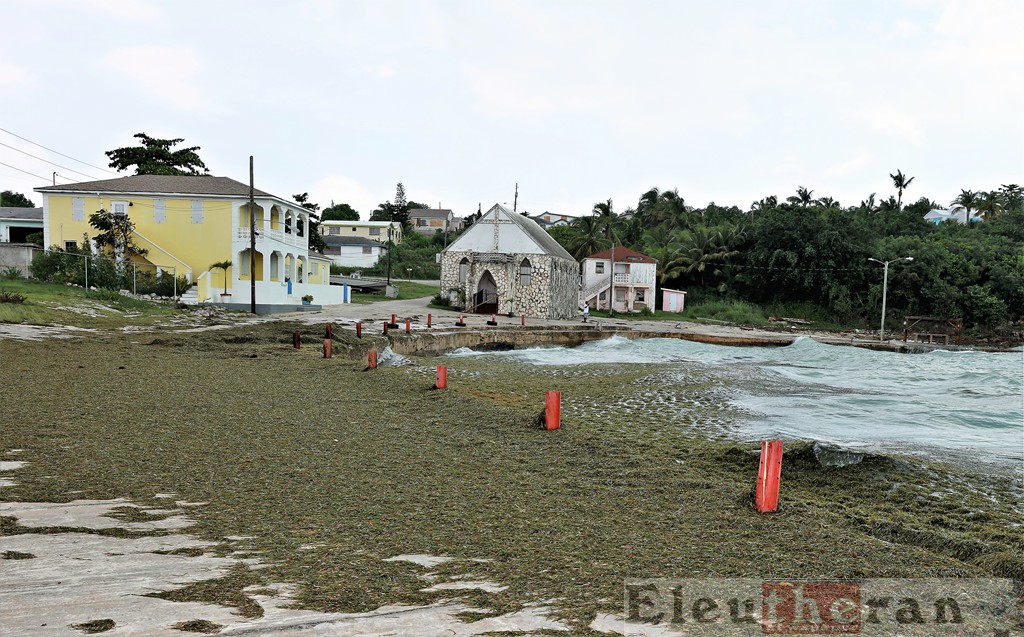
point(963, 405)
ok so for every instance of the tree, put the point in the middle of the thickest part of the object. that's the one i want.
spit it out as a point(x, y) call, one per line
point(967, 200)
point(316, 241)
point(339, 212)
point(604, 214)
point(900, 181)
point(1013, 196)
point(12, 199)
point(588, 238)
point(803, 197)
point(222, 265)
point(990, 205)
point(397, 211)
point(828, 202)
point(116, 231)
point(155, 157)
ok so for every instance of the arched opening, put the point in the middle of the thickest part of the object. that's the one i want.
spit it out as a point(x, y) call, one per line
point(463, 270)
point(275, 266)
point(301, 268)
point(300, 226)
point(243, 265)
point(525, 272)
point(485, 300)
point(243, 216)
point(289, 268)
point(289, 221)
point(275, 218)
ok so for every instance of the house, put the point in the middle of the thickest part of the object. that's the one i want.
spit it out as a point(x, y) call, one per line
point(186, 223)
point(551, 220)
point(353, 252)
point(938, 215)
point(505, 262)
point(431, 220)
point(16, 224)
point(673, 300)
point(374, 230)
point(635, 275)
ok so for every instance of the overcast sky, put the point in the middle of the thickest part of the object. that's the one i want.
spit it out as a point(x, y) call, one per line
point(577, 101)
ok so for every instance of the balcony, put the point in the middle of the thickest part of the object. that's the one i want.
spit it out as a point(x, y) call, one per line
point(289, 239)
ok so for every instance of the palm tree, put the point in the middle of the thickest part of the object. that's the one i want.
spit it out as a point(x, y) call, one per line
point(663, 246)
point(868, 205)
point(966, 201)
point(991, 204)
point(1013, 195)
point(222, 265)
point(828, 202)
point(587, 238)
point(803, 197)
point(703, 248)
point(604, 213)
point(900, 181)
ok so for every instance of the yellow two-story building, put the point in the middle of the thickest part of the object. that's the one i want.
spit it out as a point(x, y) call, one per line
point(187, 223)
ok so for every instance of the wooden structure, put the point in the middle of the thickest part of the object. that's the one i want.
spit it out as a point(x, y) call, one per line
point(914, 329)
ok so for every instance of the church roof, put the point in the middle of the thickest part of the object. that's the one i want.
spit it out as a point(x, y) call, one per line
point(537, 235)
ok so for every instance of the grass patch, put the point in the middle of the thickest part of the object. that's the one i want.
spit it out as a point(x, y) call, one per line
point(360, 466)
point(198, 626)
point(95, 626)
point(406, 290)
point(15, 555)
point(53, 304)
point(135, 514)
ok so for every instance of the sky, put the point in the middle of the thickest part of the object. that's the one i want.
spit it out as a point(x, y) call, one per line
point(576, 101)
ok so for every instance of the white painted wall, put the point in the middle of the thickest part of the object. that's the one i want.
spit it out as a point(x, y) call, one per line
point(353, 257)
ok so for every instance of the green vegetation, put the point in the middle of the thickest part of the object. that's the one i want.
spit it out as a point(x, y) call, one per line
point(53, 304)
point(406, 290)
point(156, 157)
point(626, 488)
point(69, 266)
point(807, 257)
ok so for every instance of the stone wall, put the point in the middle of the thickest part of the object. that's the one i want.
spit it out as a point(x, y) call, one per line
point(553, 290)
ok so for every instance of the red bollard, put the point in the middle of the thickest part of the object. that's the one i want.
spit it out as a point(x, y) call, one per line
point(371, 359)
point(329, 331)
point(442, 377)
point(429, 317)
point(385, 327)
point(393, 320)
point(408, 325)
point(552, 410)
point(328, 345)
point(524, 319)
point(462, 322)
point(766, 496)
point(296, 337)
point(359, 329)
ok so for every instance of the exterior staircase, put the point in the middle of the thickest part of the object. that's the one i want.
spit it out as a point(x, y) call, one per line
point(190, 296)
point(593, 290)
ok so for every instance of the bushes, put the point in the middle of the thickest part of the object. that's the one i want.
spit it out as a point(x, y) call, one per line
point(58, 266)
point(11, 297)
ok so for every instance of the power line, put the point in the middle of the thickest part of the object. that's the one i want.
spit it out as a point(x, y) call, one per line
point(18, 150)
point(24, 171)
point(57, 152)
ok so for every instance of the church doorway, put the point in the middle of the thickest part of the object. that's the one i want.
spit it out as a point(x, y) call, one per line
point(485, 301)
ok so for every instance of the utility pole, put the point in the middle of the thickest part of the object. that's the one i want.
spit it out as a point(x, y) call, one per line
point(611, 282)
point(252, 240)
point(515, 202)
point(390, 245)
point(885, 289)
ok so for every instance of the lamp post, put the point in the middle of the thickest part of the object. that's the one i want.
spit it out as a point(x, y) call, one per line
point(885, 288)
point(389, 254)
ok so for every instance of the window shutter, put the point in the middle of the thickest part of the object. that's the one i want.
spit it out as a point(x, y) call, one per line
point(78, 208)
point(159, 211)
point(197, 211)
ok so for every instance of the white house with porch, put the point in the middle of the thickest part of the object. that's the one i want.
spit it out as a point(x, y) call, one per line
point(634, 280)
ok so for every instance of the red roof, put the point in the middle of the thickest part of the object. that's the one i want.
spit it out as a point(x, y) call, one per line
point(623, 255)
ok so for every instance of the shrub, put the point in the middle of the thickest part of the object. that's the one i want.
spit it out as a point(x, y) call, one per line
point(440, 299)
point(10, 273)
point(11, 297)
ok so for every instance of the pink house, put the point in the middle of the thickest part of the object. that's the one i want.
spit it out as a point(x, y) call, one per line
point(634, 279)
point(672, 300)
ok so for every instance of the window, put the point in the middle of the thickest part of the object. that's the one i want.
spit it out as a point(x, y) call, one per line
point(119, 208)
point(463, 270)
point(159, 211)
point(421, 223)
point(639, 295)
point(197, 211)
point(367, 249)
point(70, 245)
point(78, 208)
point(525, 272)
point(354, 229)
point(374, 232)
point(599, 267)
point(620, 296)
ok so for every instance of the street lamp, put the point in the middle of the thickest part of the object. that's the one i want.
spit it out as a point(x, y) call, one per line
point(885, 287)
point(390, 243)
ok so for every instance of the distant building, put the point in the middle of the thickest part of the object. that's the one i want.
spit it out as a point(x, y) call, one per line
point(17, 223)
point(373, 230)
point(353, 252)
point(431, 220)
point(634, 280)
point(938, 215)
point(551, 220)
point(505, 262)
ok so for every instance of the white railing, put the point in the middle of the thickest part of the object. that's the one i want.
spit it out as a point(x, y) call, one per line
point(622, 277)
point(273, 235)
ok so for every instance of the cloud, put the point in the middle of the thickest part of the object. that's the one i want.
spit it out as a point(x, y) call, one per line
point(133, 10)
point(849, 167)
point(13, 76)
point(344, 189)
point(165, 72)
point(891, 122)
point(383, 71)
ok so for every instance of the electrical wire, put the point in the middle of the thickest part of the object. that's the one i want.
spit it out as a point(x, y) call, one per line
point(18, 150)
point(106, 170)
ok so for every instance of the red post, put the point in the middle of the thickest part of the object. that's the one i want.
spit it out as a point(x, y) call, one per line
point(408, 325)
point(494, 318)
point(329, 331)
point(296, 337)
point(371, 359)
point(359, 329)
point(385, 327)
point(429, 317)
point(393, 318)
point(552, 410)
point(442, 377)
point(766, 496)
point(328, 345)
point(524, 319)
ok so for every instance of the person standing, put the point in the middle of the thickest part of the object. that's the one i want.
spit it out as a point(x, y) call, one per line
point(586, 313)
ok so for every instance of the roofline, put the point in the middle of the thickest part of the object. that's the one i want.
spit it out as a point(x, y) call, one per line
point(176, 195)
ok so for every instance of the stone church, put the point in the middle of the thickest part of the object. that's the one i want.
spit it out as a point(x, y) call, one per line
point(506, 263)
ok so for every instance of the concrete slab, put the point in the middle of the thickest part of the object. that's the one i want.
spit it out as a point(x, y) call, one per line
point(429, 561)
point(11, 465)
point(84, 514)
